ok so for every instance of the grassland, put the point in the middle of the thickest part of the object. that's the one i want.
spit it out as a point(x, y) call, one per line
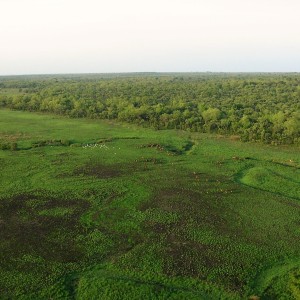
point(104, 210)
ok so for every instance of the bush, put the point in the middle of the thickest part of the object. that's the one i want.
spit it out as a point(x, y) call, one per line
point(14, 146)
point(9, 146)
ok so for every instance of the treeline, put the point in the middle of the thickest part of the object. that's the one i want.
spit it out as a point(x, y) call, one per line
point(256, 107)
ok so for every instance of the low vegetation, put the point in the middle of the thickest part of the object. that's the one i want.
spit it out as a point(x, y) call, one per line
point(94, 209)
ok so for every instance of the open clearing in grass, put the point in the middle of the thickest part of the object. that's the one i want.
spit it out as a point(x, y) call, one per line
point(169, 214)
point(279, 183)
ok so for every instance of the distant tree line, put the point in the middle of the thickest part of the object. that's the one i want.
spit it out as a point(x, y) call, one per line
point(256, 107)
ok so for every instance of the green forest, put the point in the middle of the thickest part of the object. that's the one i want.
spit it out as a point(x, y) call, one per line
point(253, 107)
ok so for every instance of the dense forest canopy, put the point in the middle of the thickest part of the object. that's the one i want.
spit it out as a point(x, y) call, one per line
point(256, 107)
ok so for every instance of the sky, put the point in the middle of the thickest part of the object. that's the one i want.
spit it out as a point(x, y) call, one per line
point(97, 36)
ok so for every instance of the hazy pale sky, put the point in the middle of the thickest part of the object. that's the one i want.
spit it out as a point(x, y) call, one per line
point(96, 36)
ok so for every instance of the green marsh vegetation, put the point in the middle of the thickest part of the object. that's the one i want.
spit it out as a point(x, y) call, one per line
point(103, 209)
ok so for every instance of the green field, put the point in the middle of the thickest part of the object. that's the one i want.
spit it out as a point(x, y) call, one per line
point(94, 209)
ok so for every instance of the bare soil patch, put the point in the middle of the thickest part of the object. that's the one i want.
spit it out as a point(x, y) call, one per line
point(196, 207)
point(24, 231)
point(100, 171)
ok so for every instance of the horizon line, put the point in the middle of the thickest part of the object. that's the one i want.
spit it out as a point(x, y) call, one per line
point(151, 72)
